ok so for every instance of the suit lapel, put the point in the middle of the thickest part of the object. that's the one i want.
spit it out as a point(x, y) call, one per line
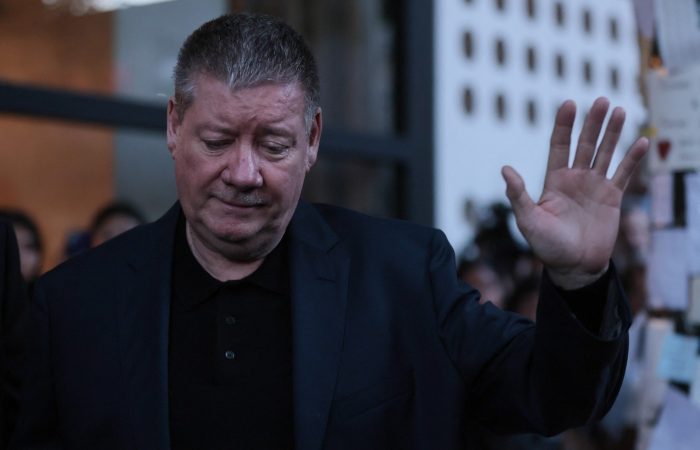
point(144, 327)
point(319, 277)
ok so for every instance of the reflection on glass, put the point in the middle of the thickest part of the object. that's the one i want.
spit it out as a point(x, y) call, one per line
point(61, 173)
point(56, 172)
point(131, 52)
point(367, 186)
point(49, 47)
point(355, 46)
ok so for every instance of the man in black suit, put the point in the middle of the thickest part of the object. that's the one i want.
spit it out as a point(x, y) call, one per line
point(245, 318)
point(12, 307)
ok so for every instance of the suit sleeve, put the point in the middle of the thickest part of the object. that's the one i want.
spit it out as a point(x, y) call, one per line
point(521, 377)
point(12, 330)
point(37, 427)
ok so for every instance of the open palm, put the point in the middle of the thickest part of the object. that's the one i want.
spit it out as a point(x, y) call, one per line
point(573, 226)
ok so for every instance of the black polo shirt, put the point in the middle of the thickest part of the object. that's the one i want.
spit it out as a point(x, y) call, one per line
point(230, 366)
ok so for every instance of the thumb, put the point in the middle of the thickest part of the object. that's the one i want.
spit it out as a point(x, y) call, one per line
point(519, 199)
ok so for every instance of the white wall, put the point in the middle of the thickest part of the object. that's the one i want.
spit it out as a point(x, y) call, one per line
point(470, 149)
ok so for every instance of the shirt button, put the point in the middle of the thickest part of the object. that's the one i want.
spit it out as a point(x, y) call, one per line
point(230, 320)
point(229, 354)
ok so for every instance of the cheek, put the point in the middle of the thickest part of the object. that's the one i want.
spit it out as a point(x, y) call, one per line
point(194, 173)
point(285, 185)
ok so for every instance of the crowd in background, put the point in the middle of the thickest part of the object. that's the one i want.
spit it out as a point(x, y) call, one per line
point(503, 268)
point(109, 221)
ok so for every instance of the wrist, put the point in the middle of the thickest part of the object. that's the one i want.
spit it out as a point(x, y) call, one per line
point(570, 280)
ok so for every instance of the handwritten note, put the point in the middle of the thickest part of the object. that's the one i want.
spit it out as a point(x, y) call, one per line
point(667, 279)
point(662, 200)
point(674, 111)
point(678, 358)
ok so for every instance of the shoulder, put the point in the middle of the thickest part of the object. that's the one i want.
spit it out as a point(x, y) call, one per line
point(360, 230)
point(109, 259)
point(347, 221)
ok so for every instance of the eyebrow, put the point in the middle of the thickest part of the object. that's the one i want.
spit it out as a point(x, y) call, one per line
point(275, 131)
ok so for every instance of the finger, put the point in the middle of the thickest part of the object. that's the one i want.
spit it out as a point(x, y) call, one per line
point(588, 139)
point(560, 141)
point(519, 199)
point(629, 163)
point(601, 163)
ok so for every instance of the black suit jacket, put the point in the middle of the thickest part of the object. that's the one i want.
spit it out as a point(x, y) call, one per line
point(390, 350)
point(12, 307)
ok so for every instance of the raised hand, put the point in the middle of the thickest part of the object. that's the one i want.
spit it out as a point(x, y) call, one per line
point(574, 225)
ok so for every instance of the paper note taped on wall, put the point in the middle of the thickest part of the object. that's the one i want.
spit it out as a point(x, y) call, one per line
point(674, 111)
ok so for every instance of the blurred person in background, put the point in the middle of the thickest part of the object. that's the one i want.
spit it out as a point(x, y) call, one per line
point(109, 221)
point(31, 247)
point(524, 298)
point(482, 274)
point(496, 261)
point(112, 220)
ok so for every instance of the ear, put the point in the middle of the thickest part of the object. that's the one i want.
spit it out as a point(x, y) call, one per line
point(173, 126)
point(314, 139)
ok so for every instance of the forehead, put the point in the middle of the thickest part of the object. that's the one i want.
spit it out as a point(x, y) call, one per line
point(215, 100)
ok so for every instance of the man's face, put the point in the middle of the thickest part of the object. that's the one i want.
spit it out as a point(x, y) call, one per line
point(240, 161)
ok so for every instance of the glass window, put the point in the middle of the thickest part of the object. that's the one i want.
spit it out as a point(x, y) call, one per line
point(468, 100)
point(559, 14)
point(67, 171)
point(531, 112)
point(560, 65)
point(531, 58)
point(131, 52)
point(49, 47)
point(613, 29)
point(468, 45)
point(501, 107)
point(362, 185)
point(614, 78)
point(588, 72)
point(531, 8)
point(587, 19)
point(355, 44)
point(500, 51)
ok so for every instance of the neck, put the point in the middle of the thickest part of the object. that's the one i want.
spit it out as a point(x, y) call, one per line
point(216, 264)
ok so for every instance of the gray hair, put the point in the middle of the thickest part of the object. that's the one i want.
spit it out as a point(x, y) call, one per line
point(246, 50)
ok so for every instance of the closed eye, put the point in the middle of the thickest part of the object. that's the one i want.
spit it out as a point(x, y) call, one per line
point(216, 144)
point(275, 149)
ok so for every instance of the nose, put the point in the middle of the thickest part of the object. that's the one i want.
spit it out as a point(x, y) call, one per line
point(242, 169)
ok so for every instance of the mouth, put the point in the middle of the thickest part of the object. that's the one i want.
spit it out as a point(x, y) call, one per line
point(244, 202)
